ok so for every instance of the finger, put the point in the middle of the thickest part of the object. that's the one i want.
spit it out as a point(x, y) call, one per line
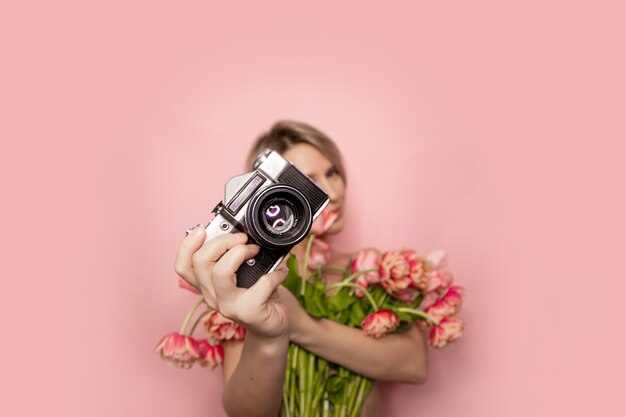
point(197, 253)
point(190, 244)
point(204, 261)
point(213, 249)
point(224, 278)
point(264, 288)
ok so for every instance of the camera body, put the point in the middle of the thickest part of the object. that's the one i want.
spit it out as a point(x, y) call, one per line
point(275, 205)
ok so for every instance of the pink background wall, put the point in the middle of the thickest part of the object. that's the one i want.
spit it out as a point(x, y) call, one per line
point(492, 129)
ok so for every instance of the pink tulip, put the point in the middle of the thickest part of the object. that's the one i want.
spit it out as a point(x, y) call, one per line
point(364, 260)
point(416, 269)
point(379, 323)
point(408, 295)
point(221, 328)
point(324, 221)
point(436, 259)
point(454, 297)
point(178, 350)
point(438, 280)
point(210, 355)
point(319, 254)
point(440, 309)
point(447, 331)
point(394, 272)
point(429, 299)
point(184, 284)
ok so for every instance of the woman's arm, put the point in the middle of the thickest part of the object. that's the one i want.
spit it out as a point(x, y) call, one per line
point(254, 369)
point(254, 385)
point(254, 373)
point(400, 357)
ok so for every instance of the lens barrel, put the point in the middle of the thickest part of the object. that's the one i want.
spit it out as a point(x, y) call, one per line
point(279, 216)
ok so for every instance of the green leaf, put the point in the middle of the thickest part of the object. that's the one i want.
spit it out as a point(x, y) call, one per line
point(415, 304)
point(309, 302)
point(335, 383)
point(356, 314)
point(336, 398)
point(404, 327)
point(320, 364)
point(319, 297)
point(340, 301)
point(344, 317)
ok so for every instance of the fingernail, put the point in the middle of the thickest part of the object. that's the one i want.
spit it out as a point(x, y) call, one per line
point(198, 230)
point(190, 230)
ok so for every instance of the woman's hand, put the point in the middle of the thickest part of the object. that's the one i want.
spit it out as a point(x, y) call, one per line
point(210, 267)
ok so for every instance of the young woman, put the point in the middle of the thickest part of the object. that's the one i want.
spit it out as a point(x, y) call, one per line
point(254, 368)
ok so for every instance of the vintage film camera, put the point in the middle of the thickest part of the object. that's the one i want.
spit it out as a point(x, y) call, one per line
point(275, 205)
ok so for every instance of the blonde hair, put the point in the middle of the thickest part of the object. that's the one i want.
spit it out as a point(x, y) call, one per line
point(286, 133)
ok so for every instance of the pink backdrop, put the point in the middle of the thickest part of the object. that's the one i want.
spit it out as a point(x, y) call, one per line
point(492, 129)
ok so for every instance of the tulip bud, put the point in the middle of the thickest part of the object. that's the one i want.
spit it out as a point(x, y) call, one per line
point(447, 331)
point(221, 328)
point(441, 309)
point(210, 355)
point(380, 322)
point(178, 350)
point(394, 272)
point(184, 284)
point(364, 260)
point(319, 254)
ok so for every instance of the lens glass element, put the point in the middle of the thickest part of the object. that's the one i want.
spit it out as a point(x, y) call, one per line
point(278, 216)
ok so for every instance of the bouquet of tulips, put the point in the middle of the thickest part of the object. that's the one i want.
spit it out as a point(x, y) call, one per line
point(380, 293)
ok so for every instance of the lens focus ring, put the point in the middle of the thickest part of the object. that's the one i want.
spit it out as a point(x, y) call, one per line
point(279, 216)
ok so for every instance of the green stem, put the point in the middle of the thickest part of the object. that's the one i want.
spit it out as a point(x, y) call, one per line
point(310, 381)
point(294, 374)
point(383, 298)
point(193, 309)
point(363, 390)
point(348, 284)
point(302, 380)
point(347, 399)
point(204, 313)
point(356, 274)
point(286, 386)
point(419, 313)
point(320, 390)
point(332, 268)
point(356, 381)
point(309, 243)
point(326, 406)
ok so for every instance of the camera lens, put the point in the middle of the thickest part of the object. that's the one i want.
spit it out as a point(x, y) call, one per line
point(279, 216)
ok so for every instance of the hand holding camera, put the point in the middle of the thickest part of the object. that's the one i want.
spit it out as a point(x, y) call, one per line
point(264, 214)
point(210, 266)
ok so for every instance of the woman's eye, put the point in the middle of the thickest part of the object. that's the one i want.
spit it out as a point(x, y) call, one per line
point(331, 172)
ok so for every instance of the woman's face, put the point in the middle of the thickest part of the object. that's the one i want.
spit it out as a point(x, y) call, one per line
point(314, 164)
